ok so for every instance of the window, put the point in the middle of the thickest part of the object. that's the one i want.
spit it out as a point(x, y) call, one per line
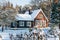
point(41, 23)
point(41, 16)
point(44, 23)
point(38, 22)
point(21, 23)
point(29, 24)
point(13, 23)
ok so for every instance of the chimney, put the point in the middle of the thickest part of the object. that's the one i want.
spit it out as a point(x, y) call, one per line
point(30, 10)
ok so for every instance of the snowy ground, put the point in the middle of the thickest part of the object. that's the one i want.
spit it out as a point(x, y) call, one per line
point(52, 38)
point(5, 34)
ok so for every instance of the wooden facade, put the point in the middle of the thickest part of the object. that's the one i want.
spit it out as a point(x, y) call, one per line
point(41, 20)
point(25, 24)
point(17, 25)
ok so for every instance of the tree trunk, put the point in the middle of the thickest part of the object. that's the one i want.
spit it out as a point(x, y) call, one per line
point(2, 29)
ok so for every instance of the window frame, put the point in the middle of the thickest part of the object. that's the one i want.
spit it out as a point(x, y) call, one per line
point(44, 23)
point(29, 24)
point(39, 22)
point(21, 23)
point(41, 16)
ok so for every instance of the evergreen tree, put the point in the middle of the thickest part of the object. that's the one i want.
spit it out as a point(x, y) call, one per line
point(55, 15)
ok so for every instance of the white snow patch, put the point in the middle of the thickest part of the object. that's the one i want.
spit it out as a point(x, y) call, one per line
point(23, 17)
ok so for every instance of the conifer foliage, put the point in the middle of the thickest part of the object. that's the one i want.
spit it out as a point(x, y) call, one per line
point(55, 14)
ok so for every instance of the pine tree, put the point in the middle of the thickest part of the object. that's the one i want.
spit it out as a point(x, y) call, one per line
point(55, 18)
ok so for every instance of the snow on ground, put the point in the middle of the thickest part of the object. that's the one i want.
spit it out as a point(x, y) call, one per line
point(16, 31)
point(52, 38)
point(5, 34)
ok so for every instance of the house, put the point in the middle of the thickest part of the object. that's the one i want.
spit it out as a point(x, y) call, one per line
point(35, 18)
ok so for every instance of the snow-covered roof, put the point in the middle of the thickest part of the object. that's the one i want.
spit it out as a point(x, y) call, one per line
point(35, 13)
point(27, 16)
point(24, 17)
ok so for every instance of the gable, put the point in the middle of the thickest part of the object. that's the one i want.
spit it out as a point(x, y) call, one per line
point(37, 12)
point(40, 16)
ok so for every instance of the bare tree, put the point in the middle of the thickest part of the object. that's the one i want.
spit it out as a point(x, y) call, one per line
point(44, 4)
point(7, 16)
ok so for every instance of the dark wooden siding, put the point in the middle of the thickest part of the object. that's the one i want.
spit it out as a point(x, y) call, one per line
point(25, 24)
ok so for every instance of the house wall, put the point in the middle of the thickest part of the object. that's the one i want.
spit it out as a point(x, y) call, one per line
point(42, 18)
point(55, 1)
point(25, 24)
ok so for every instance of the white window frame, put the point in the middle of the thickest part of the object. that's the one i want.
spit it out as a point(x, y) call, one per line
point(44, 23)
point(39, 22)
point(29, 24)
point(21, 23)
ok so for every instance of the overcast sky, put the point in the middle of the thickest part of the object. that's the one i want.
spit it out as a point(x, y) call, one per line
point(19, 2)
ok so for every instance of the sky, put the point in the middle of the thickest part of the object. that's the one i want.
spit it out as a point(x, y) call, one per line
point(19, 2)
